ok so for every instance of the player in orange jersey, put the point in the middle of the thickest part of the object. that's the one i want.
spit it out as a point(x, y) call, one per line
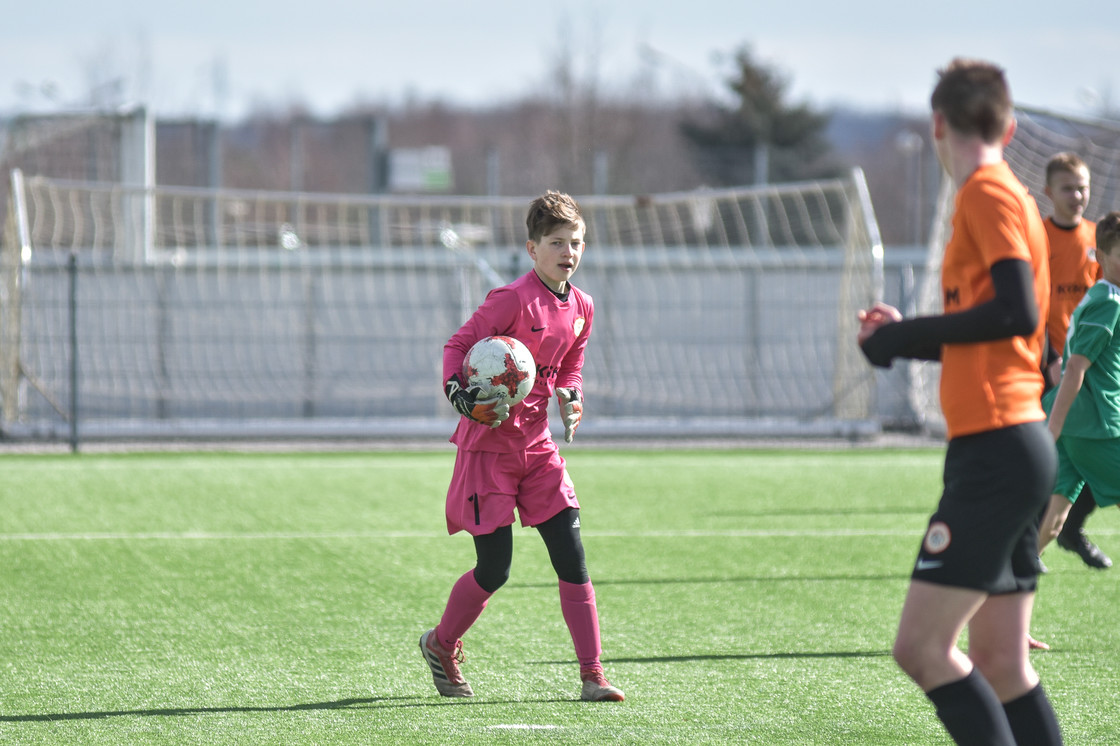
point(978, 562)
point(1072, 272)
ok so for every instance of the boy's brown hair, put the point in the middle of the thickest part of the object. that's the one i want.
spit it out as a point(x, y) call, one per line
point(551, 210)
point(1108, 232)
point(1065, 162)
point(975, 99)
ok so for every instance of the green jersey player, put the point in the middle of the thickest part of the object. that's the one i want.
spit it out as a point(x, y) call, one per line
point(1085, 408)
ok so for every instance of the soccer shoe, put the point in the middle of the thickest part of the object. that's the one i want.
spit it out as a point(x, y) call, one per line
point(1033, 644)
point(596, 688)
point(1090, 553)
point(445, 666)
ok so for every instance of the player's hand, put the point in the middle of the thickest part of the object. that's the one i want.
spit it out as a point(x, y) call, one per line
point(465, 399)
point(875, 317)
point(878, 351)
point(571, 411)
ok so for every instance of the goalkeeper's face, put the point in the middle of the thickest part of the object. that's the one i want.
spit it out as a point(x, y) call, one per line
point(556, 255)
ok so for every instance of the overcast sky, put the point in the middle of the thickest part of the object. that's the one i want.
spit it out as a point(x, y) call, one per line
point(221, 58)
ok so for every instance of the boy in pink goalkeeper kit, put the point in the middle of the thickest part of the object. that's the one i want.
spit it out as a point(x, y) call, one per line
point(507, 465)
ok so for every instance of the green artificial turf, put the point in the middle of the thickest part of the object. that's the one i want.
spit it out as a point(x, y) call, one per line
point(744, 597)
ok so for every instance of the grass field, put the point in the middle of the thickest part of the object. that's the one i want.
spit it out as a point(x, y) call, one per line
point(744, 596)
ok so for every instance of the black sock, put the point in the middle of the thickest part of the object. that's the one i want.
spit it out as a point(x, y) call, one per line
point(1033, 720)
point(1082, 507)
point(970, 710)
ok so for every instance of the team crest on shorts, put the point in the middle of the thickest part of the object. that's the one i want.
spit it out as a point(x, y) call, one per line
point(937, 538)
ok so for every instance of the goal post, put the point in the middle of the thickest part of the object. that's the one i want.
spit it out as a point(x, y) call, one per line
point(14, 248)
point(719, 312)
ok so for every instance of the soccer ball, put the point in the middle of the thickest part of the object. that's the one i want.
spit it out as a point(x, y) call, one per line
point(500, 366)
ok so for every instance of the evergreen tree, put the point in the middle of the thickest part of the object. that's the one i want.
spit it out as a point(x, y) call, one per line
point(759, 137)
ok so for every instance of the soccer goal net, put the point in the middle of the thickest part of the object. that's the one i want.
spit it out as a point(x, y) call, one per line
point(1039, 136)
point(189, 312)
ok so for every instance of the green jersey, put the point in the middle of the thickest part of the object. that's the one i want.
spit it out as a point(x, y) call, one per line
point(1094, 332)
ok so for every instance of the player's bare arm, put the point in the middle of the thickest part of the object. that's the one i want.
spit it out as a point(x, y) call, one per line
point(1072, 381)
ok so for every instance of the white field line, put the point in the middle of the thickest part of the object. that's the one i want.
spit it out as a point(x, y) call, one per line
point(520, 726)
point(350, 535)
point(329, 536)
point(215, 536)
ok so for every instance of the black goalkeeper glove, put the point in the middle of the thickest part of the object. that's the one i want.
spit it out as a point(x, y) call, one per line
point(465, 399)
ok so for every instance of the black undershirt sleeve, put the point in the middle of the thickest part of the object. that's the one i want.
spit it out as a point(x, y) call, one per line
point(1013, 312)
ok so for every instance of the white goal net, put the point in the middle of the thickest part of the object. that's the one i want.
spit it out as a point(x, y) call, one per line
point(188, 312)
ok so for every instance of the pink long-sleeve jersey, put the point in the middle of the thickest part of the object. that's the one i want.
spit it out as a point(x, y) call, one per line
point(554, 330)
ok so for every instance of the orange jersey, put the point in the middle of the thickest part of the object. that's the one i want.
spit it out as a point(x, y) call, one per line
point(995, 384)
point(1072, 273)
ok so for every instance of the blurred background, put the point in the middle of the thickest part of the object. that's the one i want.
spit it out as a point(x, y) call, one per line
point(306, 158)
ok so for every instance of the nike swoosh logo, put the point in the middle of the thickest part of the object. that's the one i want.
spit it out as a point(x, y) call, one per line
point(927, 565)
point(537, 328)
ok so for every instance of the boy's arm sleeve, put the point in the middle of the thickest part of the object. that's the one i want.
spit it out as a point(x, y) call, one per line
point(1013, 312)
point(494, 316)
point(570, 375)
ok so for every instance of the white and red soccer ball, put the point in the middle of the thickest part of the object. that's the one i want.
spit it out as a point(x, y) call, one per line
point(500, 366)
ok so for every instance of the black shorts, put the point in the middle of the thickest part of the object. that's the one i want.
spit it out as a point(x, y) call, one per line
point(984, 534)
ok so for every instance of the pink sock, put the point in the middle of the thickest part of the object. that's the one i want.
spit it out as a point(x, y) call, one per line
point(466, 603)
point(577, 602)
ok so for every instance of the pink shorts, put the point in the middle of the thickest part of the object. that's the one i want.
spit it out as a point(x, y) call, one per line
point(487, 487)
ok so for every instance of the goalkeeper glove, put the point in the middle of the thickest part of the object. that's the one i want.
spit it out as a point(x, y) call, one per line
point(571, 411)
point(466, 401)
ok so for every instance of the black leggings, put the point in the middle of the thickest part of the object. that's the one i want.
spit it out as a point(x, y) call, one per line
point(561, 537)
